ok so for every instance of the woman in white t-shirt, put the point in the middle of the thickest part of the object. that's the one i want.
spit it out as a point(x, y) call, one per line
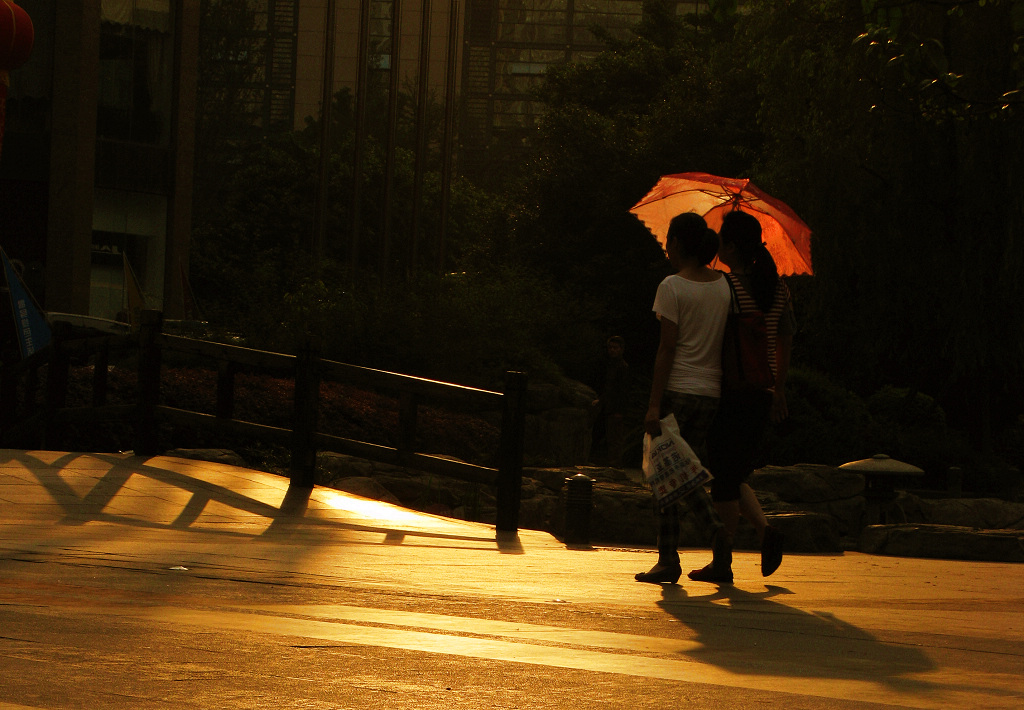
point(692, 306)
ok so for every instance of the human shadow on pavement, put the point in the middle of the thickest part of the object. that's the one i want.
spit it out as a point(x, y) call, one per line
point(749, 633)
point(291, 519)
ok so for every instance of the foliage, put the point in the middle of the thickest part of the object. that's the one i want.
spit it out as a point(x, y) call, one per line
point(887, 133)
point(668, 100)
point(827, 424)
point(912, 427)
point(893, 128)
point(252, 270)
point(249, 251)
point(899, 406)
point(468, 327)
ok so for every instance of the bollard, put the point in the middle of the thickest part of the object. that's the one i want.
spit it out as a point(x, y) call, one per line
point(579, 501)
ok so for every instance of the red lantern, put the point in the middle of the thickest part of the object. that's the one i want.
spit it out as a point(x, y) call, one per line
point(16, 38)
point(16, 35)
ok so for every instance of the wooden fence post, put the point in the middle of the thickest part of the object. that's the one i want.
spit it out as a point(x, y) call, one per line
point(307, 402)
point(510, 456)
point(148, 386)
point(57, 371)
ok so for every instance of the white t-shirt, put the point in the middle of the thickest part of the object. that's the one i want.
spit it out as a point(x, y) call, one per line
point(699, 309)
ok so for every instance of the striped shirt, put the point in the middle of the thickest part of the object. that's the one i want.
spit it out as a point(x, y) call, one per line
point(778, 319)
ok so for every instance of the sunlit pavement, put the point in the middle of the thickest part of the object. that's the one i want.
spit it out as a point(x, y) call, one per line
point(164, 582)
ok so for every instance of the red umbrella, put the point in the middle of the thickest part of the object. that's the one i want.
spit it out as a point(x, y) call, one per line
point(786, 236)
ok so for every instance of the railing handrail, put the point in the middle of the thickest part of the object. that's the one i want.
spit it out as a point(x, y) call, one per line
point(308, 371)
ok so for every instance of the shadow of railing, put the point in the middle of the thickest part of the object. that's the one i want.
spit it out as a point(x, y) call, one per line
point(34, 404)
point(290, 518)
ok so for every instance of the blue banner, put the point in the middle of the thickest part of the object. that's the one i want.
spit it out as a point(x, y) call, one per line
point(32, 328)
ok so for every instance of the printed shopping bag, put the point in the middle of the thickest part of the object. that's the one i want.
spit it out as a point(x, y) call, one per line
point(670, 465)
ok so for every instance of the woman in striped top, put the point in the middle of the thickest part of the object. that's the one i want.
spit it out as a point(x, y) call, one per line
point(743, 415)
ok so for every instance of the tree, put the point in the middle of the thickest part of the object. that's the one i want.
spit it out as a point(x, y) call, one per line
point(669, 100)
point(230, 87)
point(887, 121)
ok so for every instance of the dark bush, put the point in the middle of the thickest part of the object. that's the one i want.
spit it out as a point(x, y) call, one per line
point(827, 424)
point(912, 428)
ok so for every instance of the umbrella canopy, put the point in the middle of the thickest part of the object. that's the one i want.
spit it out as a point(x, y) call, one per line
point(787, 237)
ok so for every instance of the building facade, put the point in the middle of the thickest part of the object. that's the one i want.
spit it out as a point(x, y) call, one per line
point(508, 46)
point(502, 50)
point(96, 168)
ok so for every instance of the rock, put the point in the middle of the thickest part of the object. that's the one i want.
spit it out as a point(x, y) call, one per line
point(808, 483)
point(332, 466)
point(214, 455)
point(542, 396)
point(986, 513)
point(952, 542)
point(577, 394)
point(816, 488)
point(554, 478)
point(418, 492)
point(365, 487)
point(540, 513)
point(551, 478)
point(805, 531)
point(623, 515)
point(848, 513)
point(437, 509)
point(816, 508)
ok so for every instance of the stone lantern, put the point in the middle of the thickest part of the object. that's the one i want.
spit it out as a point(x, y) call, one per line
point(880, 476)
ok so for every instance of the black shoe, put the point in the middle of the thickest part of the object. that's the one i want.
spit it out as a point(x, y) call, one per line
point(708, 574)
point(660, 575)
point(771, 551)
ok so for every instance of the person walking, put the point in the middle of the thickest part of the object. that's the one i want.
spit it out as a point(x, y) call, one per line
point(743, 414)
point(692, 306)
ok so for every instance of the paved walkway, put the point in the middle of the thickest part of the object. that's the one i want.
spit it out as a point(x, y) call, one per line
point(136, 583)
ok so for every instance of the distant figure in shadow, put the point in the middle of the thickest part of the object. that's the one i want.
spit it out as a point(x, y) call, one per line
point(692, 306)
point(743, 414)
point(613, 400)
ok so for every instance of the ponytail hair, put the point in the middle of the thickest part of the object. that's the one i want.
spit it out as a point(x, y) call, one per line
point(744, 231)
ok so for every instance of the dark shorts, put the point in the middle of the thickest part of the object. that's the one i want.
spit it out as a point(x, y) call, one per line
point(694, 415)
point(734, 439)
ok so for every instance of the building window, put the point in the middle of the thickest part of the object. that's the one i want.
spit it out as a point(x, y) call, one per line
point(132, 227)
point(136, 71)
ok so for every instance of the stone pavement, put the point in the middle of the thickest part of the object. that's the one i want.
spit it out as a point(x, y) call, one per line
point(141, 583)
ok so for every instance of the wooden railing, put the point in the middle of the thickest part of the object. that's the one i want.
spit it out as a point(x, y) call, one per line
point(22, 418)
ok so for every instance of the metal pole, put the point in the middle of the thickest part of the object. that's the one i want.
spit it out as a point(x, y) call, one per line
point(449, 131)
point(389, 158)
point(360, 128)
point(421, 135)
point(327, 98)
